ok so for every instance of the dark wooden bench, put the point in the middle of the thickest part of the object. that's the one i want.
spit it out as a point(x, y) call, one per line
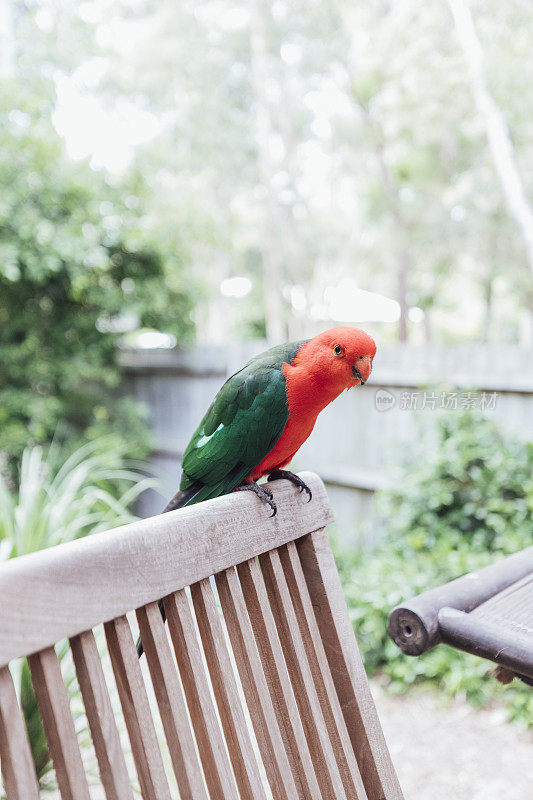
point(488, 613)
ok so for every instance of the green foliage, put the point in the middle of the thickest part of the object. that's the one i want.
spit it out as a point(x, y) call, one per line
point(468, 502)
point(34, 723)
point(57, 501)
point(74, 262)
point(474, 489)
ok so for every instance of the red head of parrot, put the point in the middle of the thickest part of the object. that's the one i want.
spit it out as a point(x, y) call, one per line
point(323, 368)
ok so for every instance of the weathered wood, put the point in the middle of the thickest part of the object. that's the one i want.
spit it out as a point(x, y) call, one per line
point(217, 769)
point(289, 630)
point(171, 704)
point(347, 669)
point(326, 767)
point(113, 772)
point(58, 725)
point(16, 760)
point(327, 696)
point(255, 688)
point(136, 709)
point(178, 549)
point(277, 678)
point(226, 693)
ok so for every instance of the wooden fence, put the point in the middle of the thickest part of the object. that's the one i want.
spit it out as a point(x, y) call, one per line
point(361, 438)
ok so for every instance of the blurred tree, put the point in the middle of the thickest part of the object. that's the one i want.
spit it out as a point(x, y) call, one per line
point(328, 143)
point(271, 249)
point(500, 143)
point(76, 270)
point(320, 141)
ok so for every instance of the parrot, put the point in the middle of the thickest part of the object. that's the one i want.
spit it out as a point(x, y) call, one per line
point(264, 413)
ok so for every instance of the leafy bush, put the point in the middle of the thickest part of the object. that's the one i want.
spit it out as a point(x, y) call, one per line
point(58, 502)
point(77, 264)
point(467, 504)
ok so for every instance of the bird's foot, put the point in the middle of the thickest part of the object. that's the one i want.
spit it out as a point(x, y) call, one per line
point(293, 478)
point(264, 494)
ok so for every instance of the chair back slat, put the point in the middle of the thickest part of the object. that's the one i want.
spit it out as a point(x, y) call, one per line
point(277, 678)
point(171, 704)
point(58, 724)
point(256, 683)
point(226, 693)
point(136, 710)
point(326, 767)
point(262, 714)
point(217, 769)
point(346, 667)
point(99, 711)
point(18, 771)
point(327, 696)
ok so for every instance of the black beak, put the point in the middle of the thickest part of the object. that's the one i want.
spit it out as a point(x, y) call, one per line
point(358, 375)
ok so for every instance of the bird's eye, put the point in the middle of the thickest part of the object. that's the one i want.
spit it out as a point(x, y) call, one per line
point(337, 349)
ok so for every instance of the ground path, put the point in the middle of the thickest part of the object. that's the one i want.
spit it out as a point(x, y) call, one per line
point(455, 752)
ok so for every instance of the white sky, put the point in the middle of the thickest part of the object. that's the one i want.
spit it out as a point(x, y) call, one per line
point(108, 137)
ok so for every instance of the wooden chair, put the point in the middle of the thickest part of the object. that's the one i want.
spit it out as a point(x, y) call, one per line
point(292, 715)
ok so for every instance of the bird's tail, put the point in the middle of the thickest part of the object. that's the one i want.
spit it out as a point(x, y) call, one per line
point(180, 499)
point(183, 497)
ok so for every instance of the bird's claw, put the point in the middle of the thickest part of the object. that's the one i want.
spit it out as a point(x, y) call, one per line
point(267, 497)
point(305, 488)
point(264, 493)
point(293, 478)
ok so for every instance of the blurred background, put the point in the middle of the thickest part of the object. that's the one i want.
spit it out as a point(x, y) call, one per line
point(183, 183)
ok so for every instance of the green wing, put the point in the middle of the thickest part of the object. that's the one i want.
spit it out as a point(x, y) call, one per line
point(241, 426)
